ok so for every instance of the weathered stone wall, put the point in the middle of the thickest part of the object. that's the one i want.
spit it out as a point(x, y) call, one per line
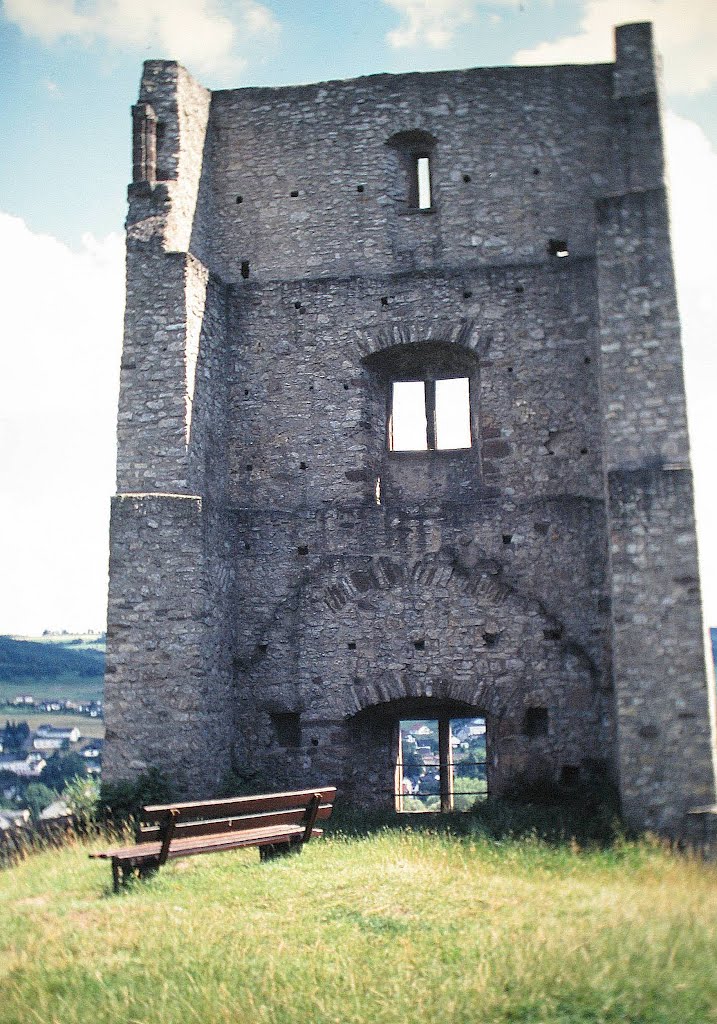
point(642, 383)
point(164, 705)
point(175, 206)
point(299, 587)
point(665, 721)
point(663, 710)
point(363, 606)
point(151, 427)
point(308, 406)
point(520, 156)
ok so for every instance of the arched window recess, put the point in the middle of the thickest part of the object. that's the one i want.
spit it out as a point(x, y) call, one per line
point(437, 753)
point(414, 152)
point(431, 397)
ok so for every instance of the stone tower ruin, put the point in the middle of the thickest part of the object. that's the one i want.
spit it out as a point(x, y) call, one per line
point(293, 571)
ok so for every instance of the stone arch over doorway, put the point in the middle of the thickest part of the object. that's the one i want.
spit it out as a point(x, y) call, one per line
point(428, 633)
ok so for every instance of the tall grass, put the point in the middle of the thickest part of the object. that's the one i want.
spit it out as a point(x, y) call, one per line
point(411, 926)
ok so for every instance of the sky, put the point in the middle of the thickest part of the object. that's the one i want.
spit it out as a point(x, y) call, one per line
point(69, 72)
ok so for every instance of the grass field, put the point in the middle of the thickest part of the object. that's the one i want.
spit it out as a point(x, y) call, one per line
point(65, 687)
point(406, 927)
point(92, 727)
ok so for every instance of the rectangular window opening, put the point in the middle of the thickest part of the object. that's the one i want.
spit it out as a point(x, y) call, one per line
point(430, 415)
point(423, 176)
point(408, 427)
point(453, 414)
point(536, 722)
point(287, 727)
point(441, 765)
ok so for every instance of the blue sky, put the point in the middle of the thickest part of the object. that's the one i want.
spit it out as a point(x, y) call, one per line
point(69, 72)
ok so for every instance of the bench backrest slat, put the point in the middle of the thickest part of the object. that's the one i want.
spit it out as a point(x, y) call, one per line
point(150, 833)
point(237, 806)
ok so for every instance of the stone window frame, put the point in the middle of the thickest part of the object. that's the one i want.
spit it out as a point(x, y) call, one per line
point(446, 764)
point(409, 147)
point(429, 362)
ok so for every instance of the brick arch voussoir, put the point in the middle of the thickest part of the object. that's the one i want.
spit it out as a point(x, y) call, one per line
point(464, 333)
point(435, 569)
point(385, 689)
point(483, 694)
point(484, 585)
point(360, 579)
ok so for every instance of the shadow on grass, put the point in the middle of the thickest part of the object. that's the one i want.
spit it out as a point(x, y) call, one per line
point(589, 824)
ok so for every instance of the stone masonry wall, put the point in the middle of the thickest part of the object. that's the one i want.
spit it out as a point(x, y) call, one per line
point(390, 605)
point(283, 587)
point(663, 710)
point(520, 156)
point(158, 618)
point(301, 356)
point(665, 717)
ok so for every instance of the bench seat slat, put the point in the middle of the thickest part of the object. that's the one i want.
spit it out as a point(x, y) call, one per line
point(234, 842)
point(238, 806)
point(152, 848)
point(207, 844)
point(148, 833)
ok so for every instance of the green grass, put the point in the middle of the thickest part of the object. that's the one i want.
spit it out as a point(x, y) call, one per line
point(396, 927)
point(92, 727)
point(64, 687)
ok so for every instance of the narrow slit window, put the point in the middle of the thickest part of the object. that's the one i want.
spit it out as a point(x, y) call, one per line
point(409, 429)
point(423, 177)
point(411, 171)
point(453, 413)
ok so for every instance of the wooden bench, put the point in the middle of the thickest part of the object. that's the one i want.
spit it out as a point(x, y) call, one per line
point(277, 823)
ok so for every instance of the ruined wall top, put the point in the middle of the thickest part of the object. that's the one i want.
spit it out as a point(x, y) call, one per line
point(316, 180)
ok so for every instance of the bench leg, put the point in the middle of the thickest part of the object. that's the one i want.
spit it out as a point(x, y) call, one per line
point(120, 871)
point(147, 869)
point(271, 852)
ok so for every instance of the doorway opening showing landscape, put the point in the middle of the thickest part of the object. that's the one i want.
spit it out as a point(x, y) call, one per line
point(441, 764)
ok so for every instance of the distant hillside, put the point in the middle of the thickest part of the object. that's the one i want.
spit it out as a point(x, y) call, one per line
point(50, 659)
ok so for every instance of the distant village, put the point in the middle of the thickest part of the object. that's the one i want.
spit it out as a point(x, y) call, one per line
point(92, 708)
point(37, 763)
point(420, 763)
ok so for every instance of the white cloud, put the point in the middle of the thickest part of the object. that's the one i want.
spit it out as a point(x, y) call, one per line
point(434, 22)
point(61, 325)
point(203, 34)
point(46, 19)
point(685, 32)
point(693, 178)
